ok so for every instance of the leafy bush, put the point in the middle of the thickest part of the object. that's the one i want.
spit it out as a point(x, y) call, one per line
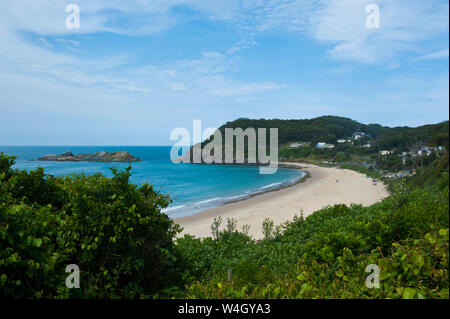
point(415, 269)
point(325, 255)
point(125, 247)
point(113, 230)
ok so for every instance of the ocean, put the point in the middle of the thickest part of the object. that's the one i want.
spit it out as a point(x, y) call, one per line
point(192, 187)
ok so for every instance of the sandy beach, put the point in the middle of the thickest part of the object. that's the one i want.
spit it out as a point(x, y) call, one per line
point(326, 186)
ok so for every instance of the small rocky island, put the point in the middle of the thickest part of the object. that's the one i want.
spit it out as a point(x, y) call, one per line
point(121, 156)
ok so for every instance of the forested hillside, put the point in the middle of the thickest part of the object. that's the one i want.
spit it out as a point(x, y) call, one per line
point(330, 128)
point(383, 148)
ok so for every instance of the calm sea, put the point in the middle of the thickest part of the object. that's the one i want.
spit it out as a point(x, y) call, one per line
point(192, 187)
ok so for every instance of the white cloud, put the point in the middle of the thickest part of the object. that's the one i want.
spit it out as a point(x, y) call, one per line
point(207, 75)
point(403, 25)
point(39, 55)
point(45, 19)
point(441, 54)
point(23, 57)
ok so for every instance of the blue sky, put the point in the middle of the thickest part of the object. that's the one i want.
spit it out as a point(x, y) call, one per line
point(137, 69)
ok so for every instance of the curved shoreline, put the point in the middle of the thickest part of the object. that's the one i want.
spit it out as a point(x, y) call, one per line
point(282, 204)
point(190, 209)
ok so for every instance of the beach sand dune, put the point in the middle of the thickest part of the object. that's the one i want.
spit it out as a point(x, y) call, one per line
point(326, 186)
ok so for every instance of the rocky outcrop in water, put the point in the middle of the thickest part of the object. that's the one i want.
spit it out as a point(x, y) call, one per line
point(121, 156)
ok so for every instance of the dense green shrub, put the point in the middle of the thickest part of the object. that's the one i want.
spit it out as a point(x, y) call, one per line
point(125, 248)
point(325, 255)
point(113, 230)
point(414, 269)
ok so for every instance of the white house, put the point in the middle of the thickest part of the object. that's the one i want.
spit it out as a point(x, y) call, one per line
point(341, 140)
point(358, 135)
point(385, 152)
point(322, 145)
point(299, 144)
point(424, 150)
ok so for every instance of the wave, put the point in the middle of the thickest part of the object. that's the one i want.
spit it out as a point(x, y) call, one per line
point(164, 210)
point(192, 208)
point(238, 196)
point(207, 201)
point(271, 185)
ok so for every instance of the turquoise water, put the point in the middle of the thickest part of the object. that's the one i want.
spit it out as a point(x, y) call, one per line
point(192, 187)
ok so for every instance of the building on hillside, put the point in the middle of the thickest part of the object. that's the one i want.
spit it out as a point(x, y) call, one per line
point(404, 158)
point(385, 152)
point(401, 174)
point(299, 144)
point(425, 151)
point(357, 135)
point(342, 140)
point(322, 145)
point(367, 145)
point(404, 173)
point(429, 149)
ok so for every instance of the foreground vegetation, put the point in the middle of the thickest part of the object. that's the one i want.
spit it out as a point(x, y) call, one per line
point(126, 248)
point(113, 230)
point(326, 254)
